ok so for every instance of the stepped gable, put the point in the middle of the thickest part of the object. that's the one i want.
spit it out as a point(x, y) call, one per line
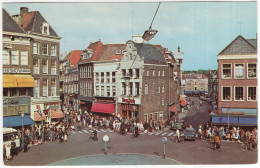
point(150, 53)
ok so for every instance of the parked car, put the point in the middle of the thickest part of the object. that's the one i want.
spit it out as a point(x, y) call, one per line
point(189, 134)
point(180, 125)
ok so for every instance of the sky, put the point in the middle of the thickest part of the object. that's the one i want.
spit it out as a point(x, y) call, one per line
point(201, 29)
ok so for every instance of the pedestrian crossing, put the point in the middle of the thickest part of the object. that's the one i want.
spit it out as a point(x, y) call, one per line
point(166, 132)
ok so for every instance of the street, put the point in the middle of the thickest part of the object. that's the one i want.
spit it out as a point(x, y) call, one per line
point(187, 152)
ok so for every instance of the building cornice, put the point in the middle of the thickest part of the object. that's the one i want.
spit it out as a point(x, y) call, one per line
point(228, 57)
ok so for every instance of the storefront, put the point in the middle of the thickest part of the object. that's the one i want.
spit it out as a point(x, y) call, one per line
point(129, 108)
point(85, 104)
point(235, 117)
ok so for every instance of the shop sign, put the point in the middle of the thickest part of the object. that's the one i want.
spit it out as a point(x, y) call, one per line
point(16, 70)
point(10, 101)
point(129, 100)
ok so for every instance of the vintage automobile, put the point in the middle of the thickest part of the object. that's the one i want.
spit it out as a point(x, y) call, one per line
point(189, 134)
point(180, 125)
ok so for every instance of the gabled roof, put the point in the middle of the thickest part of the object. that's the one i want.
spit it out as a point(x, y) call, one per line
point(97, 49)
point(74, 57)
point(9, 24)
point(32, 21)
point(150, 53)
point(240, 46)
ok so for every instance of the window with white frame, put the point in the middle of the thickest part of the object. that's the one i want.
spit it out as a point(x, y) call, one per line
point(44, 66)
point(123, 88)
point(97, 90)
point(97, 77)
point(163, 73)
point(137, 73)
point(53, 50)
point(159, 73)
point(15, 57)
point(45, 49)
point(118, 52)
point(162, 89)
point(146, 89)
point(24, 58)
point(162, 101)
point(251, 93)
point(53, 87)
point(44, 87)
point(108, 91)
point(89, 72)
point(251, 70)
point(114, 90)
point(6, 57)
point(226, 70)
point(102, 90)
point(107, 77)
point(113, 77)
point(239, 93)
point(137, 89)
point(36, 88)
point(102, 77)
point(53, 67)
point(130, 88)
point(239, 71)
point(35, 48)
point(226, 93)
point(85, 72)
point(90, 89)
point(36, 66)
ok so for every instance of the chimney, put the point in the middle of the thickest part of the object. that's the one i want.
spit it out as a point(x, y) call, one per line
point(23, 10)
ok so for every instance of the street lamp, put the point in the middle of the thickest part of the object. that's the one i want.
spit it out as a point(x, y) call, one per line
point(134, 111)
point(22, 115)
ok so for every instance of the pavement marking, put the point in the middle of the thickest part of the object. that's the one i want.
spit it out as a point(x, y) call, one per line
point(158, 133)
point(85, 131)
point(80, 132)
point(110, 130)
point(151, 133)
point(170, 134)
point(73, 132)
point(164, 133)
point(103, 130)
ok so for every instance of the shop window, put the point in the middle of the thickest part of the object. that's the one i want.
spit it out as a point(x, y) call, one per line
point(13, 92)
point(22, 91)
point(160, 116)
point(145, 118)
point(251, 93)
point(226, 93)
point(251, 70)
point(239, 93)
point(155, 116)
point(239, 70)
point(150, 117)
point(226, 70)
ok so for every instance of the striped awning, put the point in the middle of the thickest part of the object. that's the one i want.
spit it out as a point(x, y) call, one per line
point(10, 81)
point(37, 116)
point(57, 113)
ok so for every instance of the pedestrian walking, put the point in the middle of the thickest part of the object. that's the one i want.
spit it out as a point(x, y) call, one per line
point(8, 152)
point(13, 147)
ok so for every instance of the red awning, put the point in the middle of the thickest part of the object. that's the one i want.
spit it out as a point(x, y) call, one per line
point(173, 109)
point(183, 102)
point(57, 113)
point(103, 108)
point(37, 117)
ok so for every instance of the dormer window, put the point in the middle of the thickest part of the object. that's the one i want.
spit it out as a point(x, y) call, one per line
point(45, 28)
point(87, 53)
point(118, 52)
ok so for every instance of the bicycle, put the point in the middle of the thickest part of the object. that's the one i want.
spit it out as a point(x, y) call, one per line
point(246, 146)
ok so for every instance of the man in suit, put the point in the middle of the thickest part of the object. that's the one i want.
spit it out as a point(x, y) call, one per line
point(26, 142)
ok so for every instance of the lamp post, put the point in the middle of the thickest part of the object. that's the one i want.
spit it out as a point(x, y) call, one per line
point(22, 115)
